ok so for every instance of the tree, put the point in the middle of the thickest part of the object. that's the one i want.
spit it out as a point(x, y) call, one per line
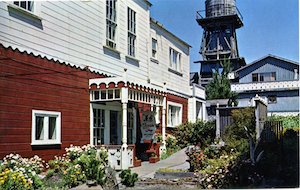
point(219, 87)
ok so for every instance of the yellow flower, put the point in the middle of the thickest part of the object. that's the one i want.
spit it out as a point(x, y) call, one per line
point(78, 172)
point(2, 182)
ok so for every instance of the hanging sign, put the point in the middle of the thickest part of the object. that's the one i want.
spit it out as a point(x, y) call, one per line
point(148, 125)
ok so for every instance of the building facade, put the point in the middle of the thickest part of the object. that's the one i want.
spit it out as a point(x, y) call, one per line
point(274, 78)
point(98, 72)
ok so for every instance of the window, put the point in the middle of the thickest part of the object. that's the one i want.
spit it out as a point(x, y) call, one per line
point(46, 127)
point(264, 77)
point(175, 60)
point(27, 5)
point(174, 114)
point(98, 129)
point(111, 23)
point(131, 32)
point(154, 47)
point(272, 99)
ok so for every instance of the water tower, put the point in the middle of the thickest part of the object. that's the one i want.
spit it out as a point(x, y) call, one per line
point(220, 19)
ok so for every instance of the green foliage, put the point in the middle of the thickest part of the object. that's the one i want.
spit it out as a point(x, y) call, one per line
point(127, 178)
point(241, 118)
point(171, 147)
point(219, 87)
point(202, 133)
point(289, 122)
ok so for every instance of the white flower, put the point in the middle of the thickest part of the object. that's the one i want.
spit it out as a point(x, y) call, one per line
point(208, 179)
point(209, 186)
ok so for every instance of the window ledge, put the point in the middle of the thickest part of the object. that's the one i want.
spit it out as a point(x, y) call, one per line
point(111, 49)
point(175, 72)
point(154, 60)
point(45, 143)
point(23, 11)
point(132, 58)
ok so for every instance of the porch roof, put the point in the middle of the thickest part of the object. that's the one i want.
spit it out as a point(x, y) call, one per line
point(119, 82)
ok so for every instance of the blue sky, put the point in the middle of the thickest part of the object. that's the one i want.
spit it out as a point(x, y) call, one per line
point(270, 26)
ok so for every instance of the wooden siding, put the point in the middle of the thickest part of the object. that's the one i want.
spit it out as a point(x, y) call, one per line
point(284, 70)
point(75, 32)
point(287, 101)
point(160, 71)
point(28, 83)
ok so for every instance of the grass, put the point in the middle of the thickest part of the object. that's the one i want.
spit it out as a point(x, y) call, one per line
point(170, 170)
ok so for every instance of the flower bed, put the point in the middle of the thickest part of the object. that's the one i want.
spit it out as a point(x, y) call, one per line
point(79, 165)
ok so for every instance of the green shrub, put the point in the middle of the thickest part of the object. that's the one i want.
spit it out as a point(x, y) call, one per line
point(127, 178)
point(287, 121)
point(202, 133)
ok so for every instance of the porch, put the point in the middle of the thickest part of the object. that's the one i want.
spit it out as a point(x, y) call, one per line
point(125, 116)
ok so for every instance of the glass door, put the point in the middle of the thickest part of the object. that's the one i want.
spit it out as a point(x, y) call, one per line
point(99, 125)
point(114, 125)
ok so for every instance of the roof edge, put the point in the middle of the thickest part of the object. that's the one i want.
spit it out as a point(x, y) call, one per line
point(265, 57)
point(153, 21)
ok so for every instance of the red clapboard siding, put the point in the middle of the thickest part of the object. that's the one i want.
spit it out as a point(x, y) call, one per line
point(28, 82)
point(180, 100)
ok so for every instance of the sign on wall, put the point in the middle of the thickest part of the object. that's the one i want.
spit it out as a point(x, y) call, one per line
point(148, 125)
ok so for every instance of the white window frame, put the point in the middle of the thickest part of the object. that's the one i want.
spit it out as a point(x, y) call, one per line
point(154, 48)
point(29, 5)
point(178, 119)
point(46, 115)
point(175, 60)
point(131, 26)
point(111, 23)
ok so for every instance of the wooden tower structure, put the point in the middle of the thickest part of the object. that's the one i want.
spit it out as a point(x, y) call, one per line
point(220, 19)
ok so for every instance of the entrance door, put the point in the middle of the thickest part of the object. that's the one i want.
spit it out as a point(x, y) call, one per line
point(114, 128)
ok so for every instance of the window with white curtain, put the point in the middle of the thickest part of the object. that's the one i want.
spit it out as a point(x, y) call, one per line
point(175, 60)
point(174, 114)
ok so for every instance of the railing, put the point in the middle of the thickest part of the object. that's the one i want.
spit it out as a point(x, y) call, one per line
point(115, 155)
point(265, 86)
point(218, 11)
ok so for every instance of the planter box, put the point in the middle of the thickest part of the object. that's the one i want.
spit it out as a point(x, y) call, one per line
point(137, 163)
point(153, 159)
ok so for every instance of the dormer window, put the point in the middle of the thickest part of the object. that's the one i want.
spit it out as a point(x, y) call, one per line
point(27, 5)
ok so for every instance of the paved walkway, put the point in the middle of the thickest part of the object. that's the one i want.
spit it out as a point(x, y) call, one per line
point(175, 161)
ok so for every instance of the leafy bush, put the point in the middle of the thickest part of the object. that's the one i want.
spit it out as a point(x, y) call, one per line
point(93, 163)
point(171, 147)
point(202, 133)
point(78, 165)
point(127, 178)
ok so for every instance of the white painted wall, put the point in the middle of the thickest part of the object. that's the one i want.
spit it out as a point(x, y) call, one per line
point(160, 71)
